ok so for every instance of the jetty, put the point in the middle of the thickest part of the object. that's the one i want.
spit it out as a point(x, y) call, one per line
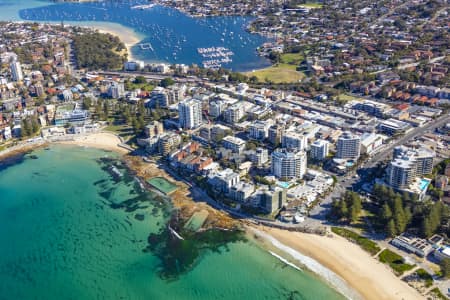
point(143, 6)
point(146, 46)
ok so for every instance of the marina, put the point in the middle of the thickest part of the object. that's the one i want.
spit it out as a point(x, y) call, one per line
point(167, 34)
point(216, 56)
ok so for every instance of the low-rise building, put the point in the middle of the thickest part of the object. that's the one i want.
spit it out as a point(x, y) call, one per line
point(412, 244)
point(167, 142)
point(370, 142)
point(393, 127)
point(235, 144)
point(223, 180)
point(259, 130)
point(70, 113)
point(292, 139)
point(241, 192)
point(259, 156)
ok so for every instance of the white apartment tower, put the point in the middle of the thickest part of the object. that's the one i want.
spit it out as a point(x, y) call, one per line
point(16, 71)
point(190, 113)
point(288, 163)
point(348, 146)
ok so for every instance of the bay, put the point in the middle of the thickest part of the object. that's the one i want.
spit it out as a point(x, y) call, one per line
point(70, 231)
point(174, 36)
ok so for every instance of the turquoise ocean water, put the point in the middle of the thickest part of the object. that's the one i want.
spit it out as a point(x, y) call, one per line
point(174, 36)
point(74, 229)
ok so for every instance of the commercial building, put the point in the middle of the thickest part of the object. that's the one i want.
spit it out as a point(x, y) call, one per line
point(70, 113)
point(348, 146)
point(373, 108)
point(288, 163)
point(319, 150)
point(370, 142)
point(392, 127)
point(190, 113)
point(235, 144)
point(442, 253)
point(413, 244)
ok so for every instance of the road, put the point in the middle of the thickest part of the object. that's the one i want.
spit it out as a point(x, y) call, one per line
point(150, 76)
point(380, 156)
point(318, 214)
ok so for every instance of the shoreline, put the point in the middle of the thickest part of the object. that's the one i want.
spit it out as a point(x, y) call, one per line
point(127, 35)
point(99, 140)
point(360, 274)
point(328, 257)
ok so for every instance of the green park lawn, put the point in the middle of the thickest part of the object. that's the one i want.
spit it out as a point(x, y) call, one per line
point(283, 72)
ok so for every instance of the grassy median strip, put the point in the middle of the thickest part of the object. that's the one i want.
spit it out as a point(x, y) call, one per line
point(395, 261)
point(425, 276)
point(365, 243)
point(436, 293)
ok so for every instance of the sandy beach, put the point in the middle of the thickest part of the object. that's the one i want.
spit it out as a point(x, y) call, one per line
point(366, 275)
point(100, 140)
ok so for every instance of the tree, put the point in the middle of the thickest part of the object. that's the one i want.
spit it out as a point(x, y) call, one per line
point(386, 213)
point(140, 80)
point(426, 229)
point(87, 103)
point(343, 209)
point(34, 125)
point(166, 82)
point(390, 228)
point(445, 267)
point(25, 128)
point(354, 213)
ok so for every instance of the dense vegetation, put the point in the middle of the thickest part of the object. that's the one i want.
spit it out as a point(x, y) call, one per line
point(348, 208)
point(399, 212)
point(99, 51)
point(425, 276)
point(365, 243)
point(29, 126)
